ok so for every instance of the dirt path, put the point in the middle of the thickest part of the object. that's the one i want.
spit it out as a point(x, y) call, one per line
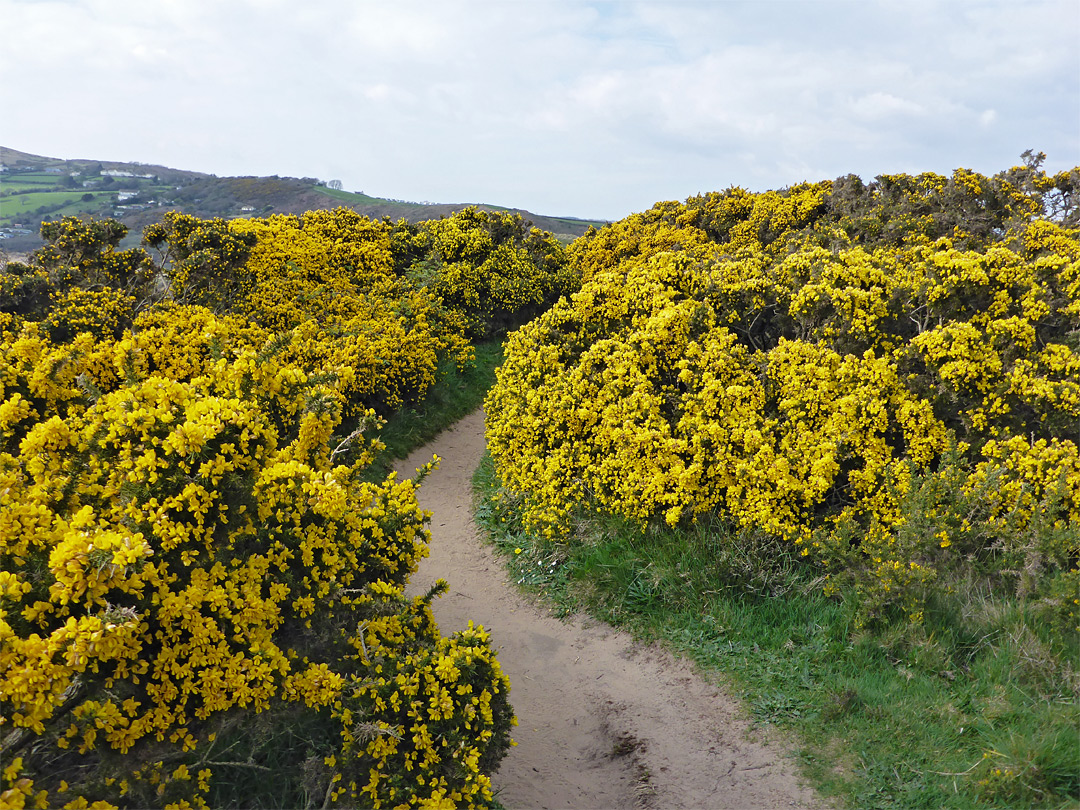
point(604, 722)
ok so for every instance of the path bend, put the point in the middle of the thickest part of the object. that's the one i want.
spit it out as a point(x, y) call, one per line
point(605, 722)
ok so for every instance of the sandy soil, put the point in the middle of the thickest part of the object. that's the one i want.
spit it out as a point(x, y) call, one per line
point(604, 722)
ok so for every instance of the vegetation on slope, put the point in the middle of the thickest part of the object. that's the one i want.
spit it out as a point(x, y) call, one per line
point(825, 438)
point(201, 601)
point(36, 189)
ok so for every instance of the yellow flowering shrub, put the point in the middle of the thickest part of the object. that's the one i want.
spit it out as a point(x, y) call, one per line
point(24, 289)
point(203, 259)
point(324, 245)
point(818, 364)
point(902, 209)
point(1031, 492)
point(720, 222)
point(197, 575)
point(79, 276)
point(194, 566)
point(441, 707)
point(667, 226)
point(39, 378)
point(671, 415)
point(182, 341)
point(344, 285)
point(486, 266)
point(329, 276)
point(104, 313)
point(82, 252)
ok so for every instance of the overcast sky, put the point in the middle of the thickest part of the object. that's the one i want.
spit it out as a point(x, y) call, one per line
point(589, 109)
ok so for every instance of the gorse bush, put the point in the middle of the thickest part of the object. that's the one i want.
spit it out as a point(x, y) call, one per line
point(885, 376)
point(488, 267)
point(201, 601)
point(824, 440)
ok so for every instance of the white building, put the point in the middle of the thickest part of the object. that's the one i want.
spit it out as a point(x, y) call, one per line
point(121, 173)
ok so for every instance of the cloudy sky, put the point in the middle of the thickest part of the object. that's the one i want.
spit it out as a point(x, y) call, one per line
point(573, 107)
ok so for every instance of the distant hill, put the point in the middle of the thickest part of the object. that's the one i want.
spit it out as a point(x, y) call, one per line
point(34, 187)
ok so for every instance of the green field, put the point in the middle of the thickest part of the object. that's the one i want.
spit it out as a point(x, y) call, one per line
point(19, 207)
point(19, 182)
point(19, 202)
point(51, 178)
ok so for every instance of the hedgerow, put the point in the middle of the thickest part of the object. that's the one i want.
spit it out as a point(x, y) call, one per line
point(199, 581)
point(815, 364)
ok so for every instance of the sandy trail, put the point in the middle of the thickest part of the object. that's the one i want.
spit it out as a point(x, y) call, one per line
point(604, 722)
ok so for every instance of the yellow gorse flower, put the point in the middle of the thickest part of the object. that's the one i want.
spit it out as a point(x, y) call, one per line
point(190, 546)
point(808, 363)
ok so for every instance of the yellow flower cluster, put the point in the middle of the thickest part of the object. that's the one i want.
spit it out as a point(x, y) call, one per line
point(40, 379)
point(1032, 494)
point(203, 259)
point(329, 276)
point(736, 219)
point(487, 267)
point(182, 342)
point(804, 370)
point(324, 246)
point(191, 549)
point(442, 711)
point(84, 252)
point(104, 313)
point(669, 414)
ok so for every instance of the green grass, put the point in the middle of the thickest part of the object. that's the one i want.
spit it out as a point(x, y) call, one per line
point(22, 206)
point(38, 198)
point(978, 707)
point(22, 183)
point(456, 394)
point(36, 178)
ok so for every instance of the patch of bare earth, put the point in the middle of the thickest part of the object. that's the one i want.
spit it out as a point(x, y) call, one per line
point(605, 722)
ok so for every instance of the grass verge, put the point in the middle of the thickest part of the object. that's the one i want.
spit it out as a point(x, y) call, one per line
point(456, 394)
point(976, 707)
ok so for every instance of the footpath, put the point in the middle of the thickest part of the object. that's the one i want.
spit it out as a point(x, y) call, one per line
point(605, 722)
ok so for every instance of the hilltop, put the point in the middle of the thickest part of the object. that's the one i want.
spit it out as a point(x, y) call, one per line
point(34, 188)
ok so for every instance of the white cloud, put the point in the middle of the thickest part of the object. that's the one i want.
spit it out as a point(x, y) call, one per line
point(561, 106)
point(377, 92)
point(878, 105)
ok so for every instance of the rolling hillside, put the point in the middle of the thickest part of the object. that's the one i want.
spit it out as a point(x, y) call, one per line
point(34, 188)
